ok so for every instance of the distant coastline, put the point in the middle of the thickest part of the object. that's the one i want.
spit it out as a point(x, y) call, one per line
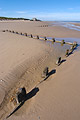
point(11, 18)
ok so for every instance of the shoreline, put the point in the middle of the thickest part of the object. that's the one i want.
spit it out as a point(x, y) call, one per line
point(38, 28)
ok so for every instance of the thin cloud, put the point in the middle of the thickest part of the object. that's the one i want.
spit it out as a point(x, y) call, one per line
point(21, 12)
point(70, 8)
point(24, 12)
point(56, 16)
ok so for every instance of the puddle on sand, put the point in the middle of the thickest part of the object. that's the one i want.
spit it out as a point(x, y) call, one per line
point(71, 40)
point(60, 50)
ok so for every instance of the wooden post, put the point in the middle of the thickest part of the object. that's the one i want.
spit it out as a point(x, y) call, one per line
point(67, 53)
point(45, 72)
point(53, 39)
point(3, 31)
point(12, 31)
point(31, 36)
point(37, 37)
point(75, 43)
point(21, 95)
point(21, 33)
point(58, 62)
point(25, 34)
point(16, 32)
point(63, 42)
point(72, 48)
point(45, 38)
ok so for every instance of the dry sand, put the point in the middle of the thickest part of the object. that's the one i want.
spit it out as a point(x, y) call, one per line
point(22, 61)
point(38, 28)
point(58, 97)
point(21, 58)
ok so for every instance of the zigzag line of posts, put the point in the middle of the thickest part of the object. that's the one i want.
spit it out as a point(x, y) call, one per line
point(62, 42)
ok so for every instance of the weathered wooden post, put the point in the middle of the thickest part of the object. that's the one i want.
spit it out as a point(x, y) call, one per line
point(63, 42)
point(25, 34)
point(21, 95)
point(58, 62)
point(45, 38)
point(16, 32)
point(7, 30)
point(72, 48)
point(21, 33)
point(3, 31)
point(45, 72)
point(75, 44)
point(31, 36)
point(53, 39)
point(67, 53)
point(37, 37)
point(12, 31)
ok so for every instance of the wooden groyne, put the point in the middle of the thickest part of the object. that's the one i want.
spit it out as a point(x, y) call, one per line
point(46, 72)
point(41, 38)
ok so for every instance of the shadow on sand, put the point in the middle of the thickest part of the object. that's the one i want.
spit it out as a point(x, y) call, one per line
point(62, 61)
point(31, 94)
point(28, 96)
point(50, 73)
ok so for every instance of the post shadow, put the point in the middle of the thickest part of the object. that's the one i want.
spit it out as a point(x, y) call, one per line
point(64, 60)
point(76, 47)
point(28, 96)
point(50, 73)
point(70, 53)
point(31, 94)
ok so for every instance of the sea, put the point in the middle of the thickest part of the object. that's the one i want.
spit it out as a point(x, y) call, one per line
point(68, 24)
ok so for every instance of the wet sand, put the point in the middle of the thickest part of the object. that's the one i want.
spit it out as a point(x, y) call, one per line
point(77, 24)
point(22, 61)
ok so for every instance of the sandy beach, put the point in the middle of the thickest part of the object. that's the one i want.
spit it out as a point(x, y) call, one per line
point(22, 61)
point(58, 97)
point(40, 28)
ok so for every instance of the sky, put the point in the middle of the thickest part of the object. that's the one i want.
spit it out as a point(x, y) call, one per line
point(51, 10)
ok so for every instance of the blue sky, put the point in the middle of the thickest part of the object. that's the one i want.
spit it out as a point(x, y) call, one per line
point(41, 9)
